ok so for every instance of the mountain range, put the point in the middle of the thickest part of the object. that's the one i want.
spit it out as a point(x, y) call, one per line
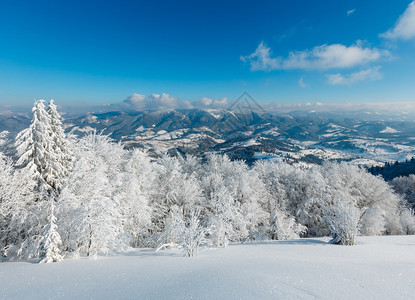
point(297, 136)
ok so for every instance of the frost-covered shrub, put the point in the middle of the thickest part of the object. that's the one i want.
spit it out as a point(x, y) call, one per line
point(135, 185)
point(407, 219)
point(175, 192)
point(405, 185)
point(377, 203)
point(234, 195)
point(344, 223)
point(373, 221)
point(285, 227)
point(184, 232)
point(193, 235)
point(173, 226)
point(282, 199)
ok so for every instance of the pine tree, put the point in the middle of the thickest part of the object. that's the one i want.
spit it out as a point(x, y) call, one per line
point(51, 241)
point(61, 162)
point(44, 162)
point(43, 150)
point(33, 146)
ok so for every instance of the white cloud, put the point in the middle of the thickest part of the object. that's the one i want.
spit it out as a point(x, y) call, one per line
point(221, 102)
point(136, 100)
point(319, 58)
point(154, 101)
point(404, 28)
point(370, 74)
point(205, 101)
point(350, 11)
point(301, 82)
point(261, 59)
point(186, 104)
point(165, 101)
point(208, 102)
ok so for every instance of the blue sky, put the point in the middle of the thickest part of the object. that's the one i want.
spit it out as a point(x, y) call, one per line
point(206, 52)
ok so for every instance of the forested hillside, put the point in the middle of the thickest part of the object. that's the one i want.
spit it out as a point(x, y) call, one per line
point(392, 170)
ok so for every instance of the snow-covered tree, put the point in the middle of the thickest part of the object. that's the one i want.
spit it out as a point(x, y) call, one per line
point(405, 185)
point(51, 240)
point(61, 156)
point(296, 192)
point(20, 217)
point(43, 151)
point(185, 232)
point(407, 219)
point(233, 199)
point(173, 226)
point(193, 234)
point(176, 188)
point(43, 165)
point(112, 198)
point(33, 149)
point(344, 222)
point(134, 192)
point(90, 216)
point(282, 224)
point(377, 203)
point(15, 219)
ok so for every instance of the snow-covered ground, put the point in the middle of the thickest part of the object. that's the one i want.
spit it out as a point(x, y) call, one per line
point(376, 268)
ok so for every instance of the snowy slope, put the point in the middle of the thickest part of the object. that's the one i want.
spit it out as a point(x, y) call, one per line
point(377, 268)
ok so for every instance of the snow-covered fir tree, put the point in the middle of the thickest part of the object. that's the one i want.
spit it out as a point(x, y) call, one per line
point(51, 241)
point(43, 150)
point(33, 150)
point(61, 156)
point(43, 167)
